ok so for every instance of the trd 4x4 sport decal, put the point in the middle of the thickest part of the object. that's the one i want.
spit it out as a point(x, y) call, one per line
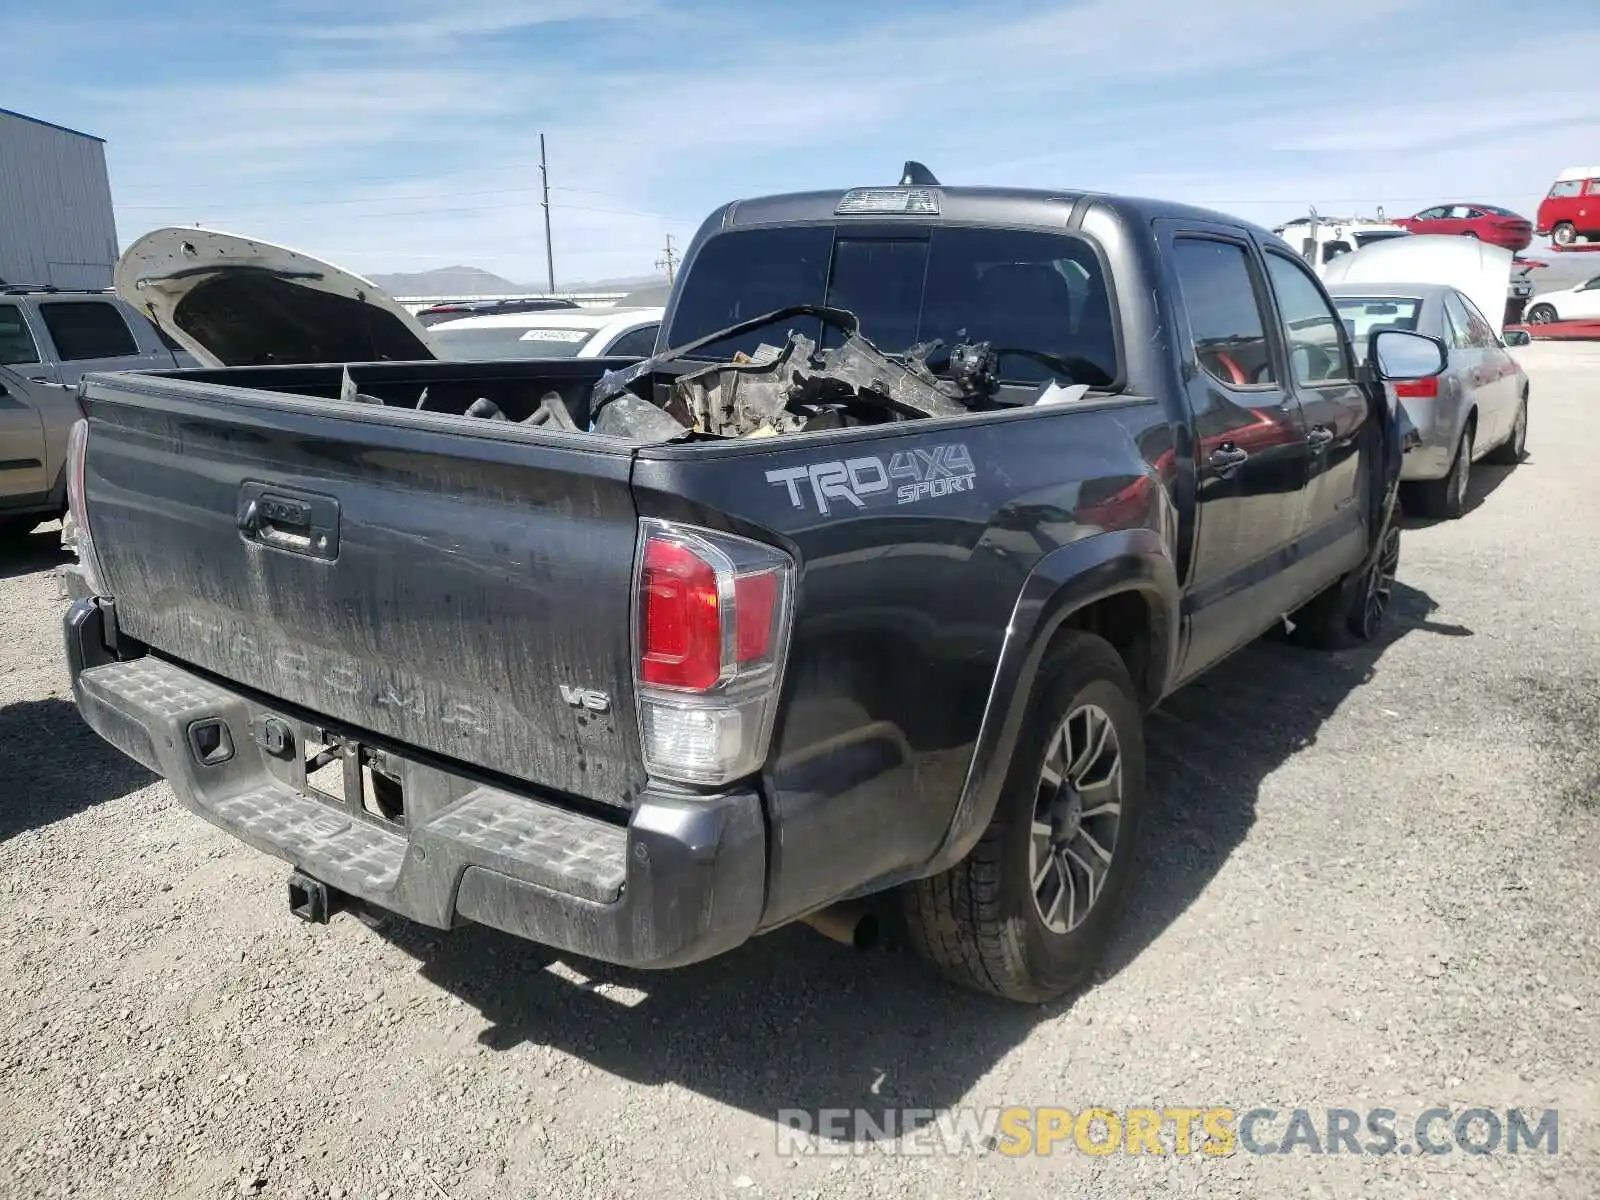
point(911, 475)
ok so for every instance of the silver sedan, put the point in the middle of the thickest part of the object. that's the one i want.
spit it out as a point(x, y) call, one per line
point(1477, 410)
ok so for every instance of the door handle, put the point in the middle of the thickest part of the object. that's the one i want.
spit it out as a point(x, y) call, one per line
point(1319, 436)
point(1228, 455)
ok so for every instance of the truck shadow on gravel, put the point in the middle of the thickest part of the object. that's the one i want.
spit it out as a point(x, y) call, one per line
point(35, 552)
point(793, 1021)
point(57, 766)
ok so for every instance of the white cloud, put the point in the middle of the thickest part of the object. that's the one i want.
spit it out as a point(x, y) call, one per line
point(426, 23)
point(405, 133)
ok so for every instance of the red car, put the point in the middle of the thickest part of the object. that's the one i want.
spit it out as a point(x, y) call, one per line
point(1497, 226)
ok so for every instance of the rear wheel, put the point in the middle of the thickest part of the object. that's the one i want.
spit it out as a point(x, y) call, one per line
point(1564, 234)
point(1541, 314)
point(1447, 498)
point(1031, 909)
point(1511, 451)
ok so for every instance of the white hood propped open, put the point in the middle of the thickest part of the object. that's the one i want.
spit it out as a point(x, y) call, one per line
point(1479, 271)
point(237, 301)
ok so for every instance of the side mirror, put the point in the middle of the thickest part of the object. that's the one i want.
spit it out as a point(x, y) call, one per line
point(1399, 354)
point(1516, 337)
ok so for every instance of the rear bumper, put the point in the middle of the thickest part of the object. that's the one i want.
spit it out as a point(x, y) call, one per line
point(1438, 426)
point(684, 880)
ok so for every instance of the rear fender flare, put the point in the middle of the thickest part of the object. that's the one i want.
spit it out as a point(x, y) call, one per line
point(1064, 582)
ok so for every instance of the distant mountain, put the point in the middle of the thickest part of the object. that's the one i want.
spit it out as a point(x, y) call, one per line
point(473, 281)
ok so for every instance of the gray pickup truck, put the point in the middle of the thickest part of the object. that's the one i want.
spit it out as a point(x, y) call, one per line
point(861, 589)
point(49, 340)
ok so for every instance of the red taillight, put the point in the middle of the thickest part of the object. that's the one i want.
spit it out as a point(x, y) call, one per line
point(712, 633)
point(1418, 389)
point(76, 526)
point(681, 622)
point(755, 602)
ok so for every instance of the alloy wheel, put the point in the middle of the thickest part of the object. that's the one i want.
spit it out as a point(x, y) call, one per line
point(1076, 818)
point(1380, 583)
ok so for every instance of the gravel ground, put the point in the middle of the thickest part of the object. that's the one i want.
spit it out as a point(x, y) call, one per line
point(1369, 883)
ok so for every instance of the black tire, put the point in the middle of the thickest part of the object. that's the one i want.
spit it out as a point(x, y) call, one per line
point(1542, 314)
point(1356, 607)
point(980, 922)
point(1446, 499)
point(1564, 234)
point(1511, 451)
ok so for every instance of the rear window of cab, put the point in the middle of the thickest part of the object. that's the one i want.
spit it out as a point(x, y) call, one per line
point(1021, 290)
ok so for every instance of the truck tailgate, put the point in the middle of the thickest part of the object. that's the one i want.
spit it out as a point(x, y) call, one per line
point(432, 579)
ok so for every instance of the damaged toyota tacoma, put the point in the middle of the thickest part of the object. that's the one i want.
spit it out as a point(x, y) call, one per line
point(854, 595)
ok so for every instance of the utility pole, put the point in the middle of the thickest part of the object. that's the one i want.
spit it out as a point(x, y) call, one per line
point(549, 250)
point(668, 263)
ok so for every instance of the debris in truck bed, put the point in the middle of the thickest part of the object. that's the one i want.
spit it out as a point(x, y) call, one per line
point(784, 389)
point(630, 417)
point(778, 390)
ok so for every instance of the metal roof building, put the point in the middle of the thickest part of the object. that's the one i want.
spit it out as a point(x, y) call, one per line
point(56, 223)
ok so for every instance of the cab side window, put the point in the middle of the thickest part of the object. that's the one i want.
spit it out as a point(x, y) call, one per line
point(1317, 351)
point(1567, 187)
point(1224, 308)
point(16, 343)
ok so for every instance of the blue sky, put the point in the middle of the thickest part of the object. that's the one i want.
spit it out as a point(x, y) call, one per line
point(397, 135)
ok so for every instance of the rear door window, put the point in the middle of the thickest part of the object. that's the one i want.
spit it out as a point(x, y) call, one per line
point(88, 329)
point(1224, 307)
point(16, 342)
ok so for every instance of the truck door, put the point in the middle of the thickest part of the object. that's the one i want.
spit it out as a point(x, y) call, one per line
point(1322, 376)
point(1250, 439)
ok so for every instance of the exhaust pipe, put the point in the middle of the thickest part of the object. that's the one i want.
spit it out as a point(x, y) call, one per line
point(852, 923)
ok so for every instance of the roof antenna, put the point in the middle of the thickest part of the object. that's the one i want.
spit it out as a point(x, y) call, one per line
point(917, 175)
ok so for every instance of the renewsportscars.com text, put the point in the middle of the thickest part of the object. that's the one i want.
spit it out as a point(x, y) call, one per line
point(1207, 1131)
